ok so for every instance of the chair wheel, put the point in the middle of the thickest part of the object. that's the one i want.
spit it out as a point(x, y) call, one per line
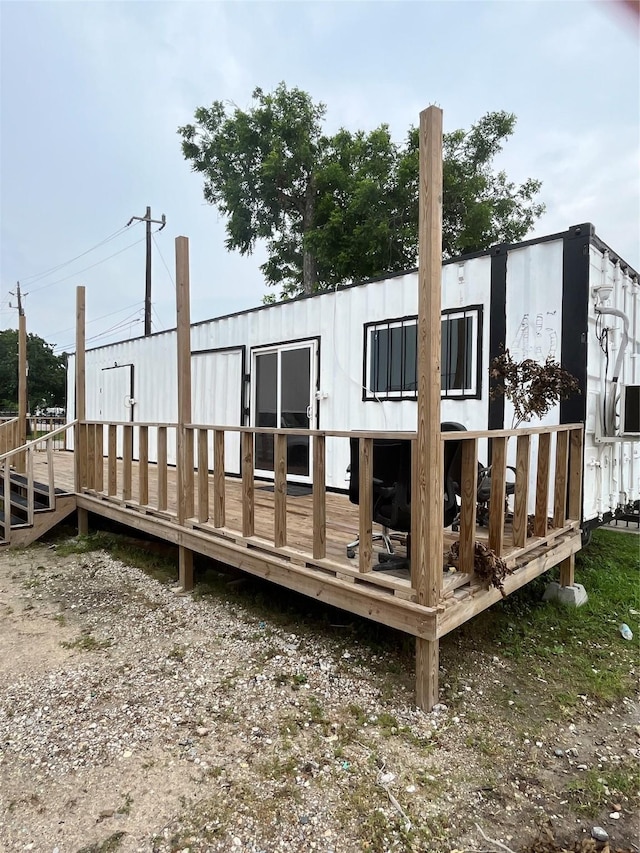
point(350, 553)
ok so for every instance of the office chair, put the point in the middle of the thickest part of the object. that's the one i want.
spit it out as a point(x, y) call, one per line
point(391, 506)
point(453, 472)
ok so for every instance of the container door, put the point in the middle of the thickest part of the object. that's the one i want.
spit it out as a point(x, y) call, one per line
point(284, 384)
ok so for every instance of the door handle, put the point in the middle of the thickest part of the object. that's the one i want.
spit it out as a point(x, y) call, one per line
point(310, 411)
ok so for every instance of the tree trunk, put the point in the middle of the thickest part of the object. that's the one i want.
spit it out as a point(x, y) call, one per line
point(309, 262)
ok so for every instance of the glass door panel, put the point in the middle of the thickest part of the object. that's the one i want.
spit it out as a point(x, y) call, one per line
point(266, 407)
point(295, 406)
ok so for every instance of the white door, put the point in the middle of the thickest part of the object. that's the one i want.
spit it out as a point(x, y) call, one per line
point(115, 400)
point(216, 398)
point(284, 386)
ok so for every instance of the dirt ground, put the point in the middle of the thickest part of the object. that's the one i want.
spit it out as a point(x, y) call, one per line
point(133, 718)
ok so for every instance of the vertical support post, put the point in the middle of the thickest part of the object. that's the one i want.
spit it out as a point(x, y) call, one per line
point(184, 473)
point(365, 501)
point(562, 468)
point(80, 391)
point(567, 571)
point(203, 475)
point(143, 465)
point(99, 458)
point(498, 494)
point(319, 499)
point(469, 490)
point(427, 549)
point(127, 460)
point(112, 461)
point(542, 484)
point(280, 491)
point(521, 497)
point(162, 468)
point(574, 511)
point(19, 459)
point(218, 479)
point(248, 519)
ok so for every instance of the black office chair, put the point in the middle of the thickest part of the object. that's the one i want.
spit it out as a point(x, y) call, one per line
point(391, 490)
point(392, 496)
point(453, 473)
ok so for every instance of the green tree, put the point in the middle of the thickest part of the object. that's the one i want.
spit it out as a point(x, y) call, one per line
point(343, 207)
point(46, 381)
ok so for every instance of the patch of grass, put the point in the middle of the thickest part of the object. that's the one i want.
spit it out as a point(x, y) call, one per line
point(60, 619)
point(596, 789)
point(86, 643)
point(177, 652)
point(110, 844)
point(571, 651)
point(155, 559)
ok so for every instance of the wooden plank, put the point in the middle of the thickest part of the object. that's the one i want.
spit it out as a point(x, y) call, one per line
point(127, 458)
point(280, 490)
point(184, 436)
point(51, 473)
point(521, 497)
point(576, 457)
point(542, 484)
point(427, 665)
point(143, 465)
point(508, 433)
point(469, 490)
point(80, 389)
point(7, 506)
point(248, 520)
point(463, 611)
point(19, 460)
point(428, 548)
point(30, 496)
point(162, 468)
point(498, 490)
point(99, 458)
point(189, 479)
point(81, 460)
point(319, 498)
point(91, 456)
point(567, 571)
point(203, 475)
point(363, 600)
point(218, 479)
point(185, 568)
point(560, 488)
point(365, 501)
point(112, 460)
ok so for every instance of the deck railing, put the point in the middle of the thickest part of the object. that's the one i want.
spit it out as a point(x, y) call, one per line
point(9, 435)
point(20, 460)
point(546, 498)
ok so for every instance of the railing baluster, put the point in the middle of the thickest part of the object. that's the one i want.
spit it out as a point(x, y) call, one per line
point(203, 475)
point(7, 500)
point(189, 479)
point(30, 496)
point(280, 491)
point(469, 490)
point(248, 520)
point(498, 490)
point(521, 497)
point(560, 490)
point(112, 460)
point(218, 479)
point(99, 458)
point(542, 484)
point(365, 499)
point(575, 474)
point(51, 473)
point(143, 465)
point(162, 468)
point(127, 458)
point(319, 499)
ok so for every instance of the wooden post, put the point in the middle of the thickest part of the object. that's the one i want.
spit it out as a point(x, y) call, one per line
point(280, 491)
point(19, 459)
point(184, 472)
point(426, 552)
point(567, 571)
point(319, 499)
point(80, 449)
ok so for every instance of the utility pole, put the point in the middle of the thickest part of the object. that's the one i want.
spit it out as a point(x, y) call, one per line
point(147, 291)
point(22, 376)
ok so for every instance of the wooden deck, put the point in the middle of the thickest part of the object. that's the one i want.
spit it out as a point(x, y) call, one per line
point(385, 595)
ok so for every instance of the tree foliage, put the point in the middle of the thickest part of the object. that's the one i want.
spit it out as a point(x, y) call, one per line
point(46, 380)
point(344, 207)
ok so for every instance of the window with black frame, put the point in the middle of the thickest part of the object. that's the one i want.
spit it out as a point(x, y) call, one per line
point(391, 356)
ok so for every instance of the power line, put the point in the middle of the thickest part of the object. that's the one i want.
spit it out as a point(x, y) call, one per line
point(95, 320)
point(163, 261)
point(120, 324)
point(97, 264)
point(37, 276)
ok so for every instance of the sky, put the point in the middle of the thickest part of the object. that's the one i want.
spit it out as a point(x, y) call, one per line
point(92, 94)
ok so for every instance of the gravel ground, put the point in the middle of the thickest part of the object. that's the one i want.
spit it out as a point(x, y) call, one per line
point(133, 718)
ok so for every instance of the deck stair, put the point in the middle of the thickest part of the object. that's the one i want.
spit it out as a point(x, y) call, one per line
point(29, 510)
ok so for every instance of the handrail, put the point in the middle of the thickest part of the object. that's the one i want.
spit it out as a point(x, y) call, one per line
point(507, 433)
point(25, 447)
